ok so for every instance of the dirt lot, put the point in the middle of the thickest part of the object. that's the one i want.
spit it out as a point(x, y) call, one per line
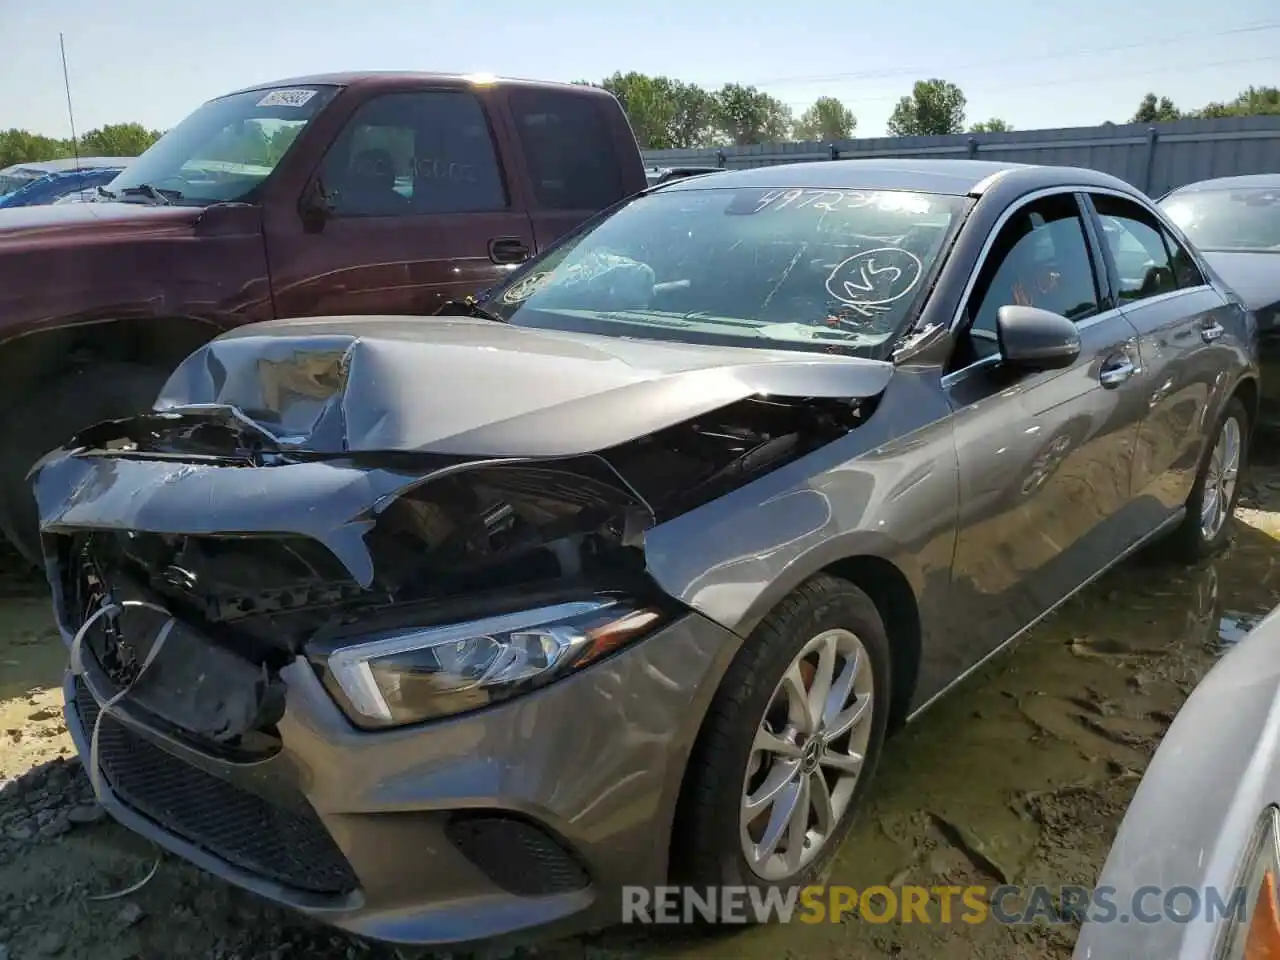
point(1020, 776)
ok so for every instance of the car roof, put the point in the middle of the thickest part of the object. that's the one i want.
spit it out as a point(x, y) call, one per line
point(378, 79)
point(68, 164)
point(1262, 180)
point(952, 177)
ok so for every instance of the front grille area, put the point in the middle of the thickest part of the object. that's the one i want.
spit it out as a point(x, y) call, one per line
point(516, 856)
point(290, 847)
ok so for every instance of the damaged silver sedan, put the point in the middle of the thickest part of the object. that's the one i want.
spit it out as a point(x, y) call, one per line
point(448, 629)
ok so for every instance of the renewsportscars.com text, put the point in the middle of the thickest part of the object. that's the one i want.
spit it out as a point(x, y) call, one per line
point(1006, 904)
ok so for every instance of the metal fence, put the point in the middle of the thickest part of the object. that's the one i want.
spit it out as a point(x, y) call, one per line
point(1153, 158)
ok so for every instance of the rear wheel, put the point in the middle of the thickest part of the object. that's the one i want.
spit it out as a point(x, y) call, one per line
point(789, 744)
point(49, 416)
point(1210, 508)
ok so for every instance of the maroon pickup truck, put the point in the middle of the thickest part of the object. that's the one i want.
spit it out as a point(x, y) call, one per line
point(342, 194)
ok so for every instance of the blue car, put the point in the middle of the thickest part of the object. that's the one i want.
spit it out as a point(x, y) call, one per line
point(37, 184)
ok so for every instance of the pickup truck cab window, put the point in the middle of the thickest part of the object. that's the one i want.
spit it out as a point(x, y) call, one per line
point(223, 151)
point(568, 147)
point(404, 154)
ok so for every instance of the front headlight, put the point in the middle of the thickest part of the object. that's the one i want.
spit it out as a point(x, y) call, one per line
point(419, 674)
point(1254, 932)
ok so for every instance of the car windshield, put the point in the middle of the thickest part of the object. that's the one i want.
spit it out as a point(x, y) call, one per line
point(819, 270)
point(15, 178)
point(1247, 219)
point(223, 151)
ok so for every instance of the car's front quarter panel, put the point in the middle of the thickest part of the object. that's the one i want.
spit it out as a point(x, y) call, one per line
point(886, 490)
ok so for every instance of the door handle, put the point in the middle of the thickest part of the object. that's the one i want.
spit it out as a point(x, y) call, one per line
point(508, 250)
point(1116, 371)
point(1212, 331)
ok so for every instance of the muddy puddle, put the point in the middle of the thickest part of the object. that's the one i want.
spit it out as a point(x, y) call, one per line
point(1019, 776)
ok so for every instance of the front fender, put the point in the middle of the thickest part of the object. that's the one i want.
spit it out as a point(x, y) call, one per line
point(866, 494)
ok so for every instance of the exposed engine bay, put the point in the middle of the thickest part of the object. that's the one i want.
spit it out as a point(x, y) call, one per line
point(474, 531)
point(454, 540)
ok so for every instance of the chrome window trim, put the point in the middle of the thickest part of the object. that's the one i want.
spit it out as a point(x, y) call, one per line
point(950, 379)
point(958, 317)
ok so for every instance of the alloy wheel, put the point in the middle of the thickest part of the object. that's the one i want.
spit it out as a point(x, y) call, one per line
point(807, 755)
point(1220, 479)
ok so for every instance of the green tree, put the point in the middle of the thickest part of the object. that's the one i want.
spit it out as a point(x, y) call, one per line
point(1152, 110)
point(994, 125)
point(22, 146)
point(748, 115)
point(827, 119)
point(1251, 102)
point(117, 140)
point(664, 113)
point(649, 104)
point(934, 107)
point(693, 122)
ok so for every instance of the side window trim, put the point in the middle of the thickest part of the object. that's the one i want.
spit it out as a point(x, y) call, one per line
point(1103, 286)
point(1104, 275)
point(960, 318)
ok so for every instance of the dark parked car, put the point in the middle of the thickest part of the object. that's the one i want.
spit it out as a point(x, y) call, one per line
point(1235, 222)
point(447, 630)
point(53, 187)
point(338, 194)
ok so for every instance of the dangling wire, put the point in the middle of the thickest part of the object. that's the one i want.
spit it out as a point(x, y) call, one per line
point(77, 670)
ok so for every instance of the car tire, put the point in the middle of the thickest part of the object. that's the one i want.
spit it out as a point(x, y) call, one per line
point(713, 834)
point(52, 414)
point(1197, 537)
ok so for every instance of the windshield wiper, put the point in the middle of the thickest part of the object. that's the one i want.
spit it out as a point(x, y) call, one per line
point(104, 192)
point(147, 190)
point(468, 307)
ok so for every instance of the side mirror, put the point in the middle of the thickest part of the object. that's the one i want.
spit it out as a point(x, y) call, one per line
point(1036, 339)
point(315, 207)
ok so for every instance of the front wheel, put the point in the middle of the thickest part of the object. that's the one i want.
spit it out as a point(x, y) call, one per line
point(48, 417)
point(789, 744)
point(1211, 505)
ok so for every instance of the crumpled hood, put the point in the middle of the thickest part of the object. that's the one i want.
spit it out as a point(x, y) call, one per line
point(23, 228)
point(474, 387)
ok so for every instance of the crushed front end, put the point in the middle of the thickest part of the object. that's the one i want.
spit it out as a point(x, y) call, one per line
point(372, 700)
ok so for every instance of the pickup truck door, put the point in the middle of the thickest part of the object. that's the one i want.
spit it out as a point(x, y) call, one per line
point(420, 211)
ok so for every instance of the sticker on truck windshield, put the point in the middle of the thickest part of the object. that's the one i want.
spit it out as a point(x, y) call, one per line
point(293, 97)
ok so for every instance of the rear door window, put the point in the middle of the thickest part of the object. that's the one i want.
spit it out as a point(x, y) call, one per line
point(569, 150)
point(1136, 241)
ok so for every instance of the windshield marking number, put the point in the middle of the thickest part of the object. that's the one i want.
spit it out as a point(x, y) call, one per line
point(293, 97)
point(828, 201)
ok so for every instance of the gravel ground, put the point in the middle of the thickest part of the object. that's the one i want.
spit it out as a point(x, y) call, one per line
point(1021, 776)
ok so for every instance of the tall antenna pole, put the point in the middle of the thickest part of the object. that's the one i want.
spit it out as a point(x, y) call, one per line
point(66, 82)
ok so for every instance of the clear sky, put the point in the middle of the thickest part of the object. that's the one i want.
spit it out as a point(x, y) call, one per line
point(1065, 63)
